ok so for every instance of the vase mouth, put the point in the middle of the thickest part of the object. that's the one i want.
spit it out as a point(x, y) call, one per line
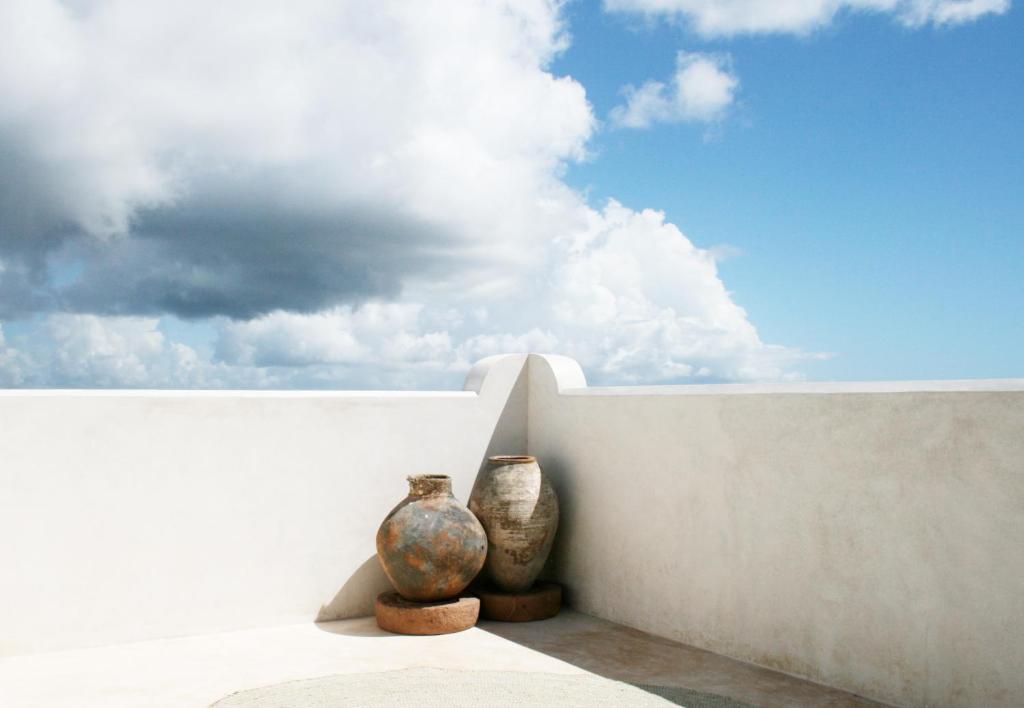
point(511, 459)
point(428, 485)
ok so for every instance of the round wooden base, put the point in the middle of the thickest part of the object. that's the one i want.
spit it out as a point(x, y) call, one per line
point(540, 602)
point(398, 615)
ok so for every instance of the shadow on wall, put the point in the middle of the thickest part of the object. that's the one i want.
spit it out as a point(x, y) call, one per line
point(562, 547)
point(357, 595)
point(509, 434)
point(355, 599)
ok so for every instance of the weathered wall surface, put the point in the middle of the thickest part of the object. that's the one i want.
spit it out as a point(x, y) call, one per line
point(132, 515)
point(867, 536)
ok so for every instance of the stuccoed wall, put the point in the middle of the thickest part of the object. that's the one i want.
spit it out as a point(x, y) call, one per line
point(867, 536)
point(133, 515)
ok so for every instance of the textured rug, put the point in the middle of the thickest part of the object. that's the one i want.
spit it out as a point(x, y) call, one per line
point(437, 688)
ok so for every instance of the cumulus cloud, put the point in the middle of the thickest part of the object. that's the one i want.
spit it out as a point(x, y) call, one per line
point(245, 156)
point(358, 194)
point(730, 17)
point(701, 89)
point(76, 351)
point(389, 332)
point(628, 295)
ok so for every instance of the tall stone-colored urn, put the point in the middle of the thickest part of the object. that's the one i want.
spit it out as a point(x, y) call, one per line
point(517, 505)
point(430, 545)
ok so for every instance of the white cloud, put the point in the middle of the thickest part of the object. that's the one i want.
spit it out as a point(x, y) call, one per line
point(348, 194)
point(952, 12)
point(626, 293)
point(701, 89)
point(635, 300)
point(390, 333)
point(362, 144)
point(88, 351)
point(729, 17)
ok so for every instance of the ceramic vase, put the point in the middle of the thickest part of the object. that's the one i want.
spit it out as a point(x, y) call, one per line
point(518, 508)
point(430, 545)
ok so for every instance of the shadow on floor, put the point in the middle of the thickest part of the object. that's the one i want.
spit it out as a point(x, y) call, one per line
point(650, 662)
point(361, 627)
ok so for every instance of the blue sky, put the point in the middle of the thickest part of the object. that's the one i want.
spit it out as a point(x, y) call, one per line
point(670, 192)
point(871, 175)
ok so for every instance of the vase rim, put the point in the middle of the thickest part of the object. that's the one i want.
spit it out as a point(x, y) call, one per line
point(511, 459)
point(430, 485)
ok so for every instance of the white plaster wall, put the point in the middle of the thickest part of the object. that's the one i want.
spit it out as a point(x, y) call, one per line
point(867, 536)
point(132, 515)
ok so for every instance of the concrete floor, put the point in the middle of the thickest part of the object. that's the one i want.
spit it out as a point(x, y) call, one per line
point(196, 671)
point(626, 654)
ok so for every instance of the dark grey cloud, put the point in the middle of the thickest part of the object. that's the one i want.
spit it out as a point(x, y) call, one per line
point(31, 221)
point(23, 290)
point(236, 249)
point(245, 258)
point(275, 165)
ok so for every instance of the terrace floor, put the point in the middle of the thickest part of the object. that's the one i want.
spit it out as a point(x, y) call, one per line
point(196, 671)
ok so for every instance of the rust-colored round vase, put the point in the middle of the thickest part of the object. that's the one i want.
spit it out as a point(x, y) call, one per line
point(517, 505)
point(430, 545)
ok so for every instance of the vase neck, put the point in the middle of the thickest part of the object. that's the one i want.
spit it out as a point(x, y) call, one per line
point(430, 485)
